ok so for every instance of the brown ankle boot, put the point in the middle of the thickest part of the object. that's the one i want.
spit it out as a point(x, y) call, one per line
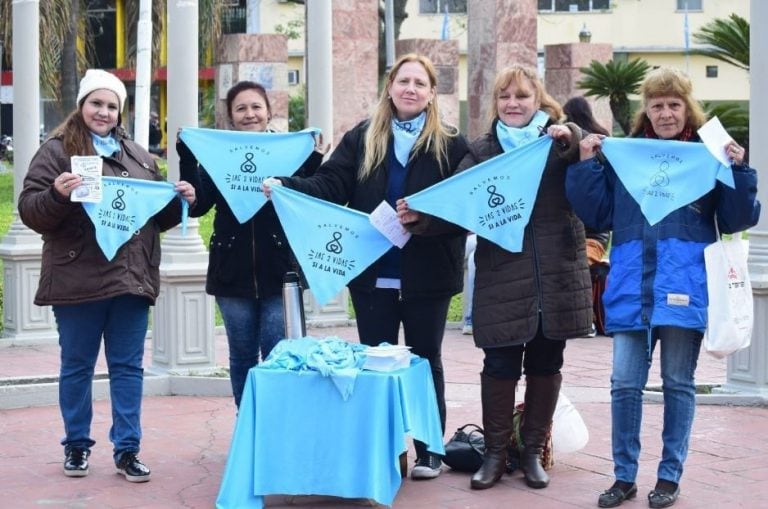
point(540, 401)
point(498, 401)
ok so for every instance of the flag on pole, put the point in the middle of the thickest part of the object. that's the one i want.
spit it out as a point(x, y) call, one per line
point(445, 33)
point(686, 30)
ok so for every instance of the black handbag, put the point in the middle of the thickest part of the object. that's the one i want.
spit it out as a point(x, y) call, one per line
point(464, 451)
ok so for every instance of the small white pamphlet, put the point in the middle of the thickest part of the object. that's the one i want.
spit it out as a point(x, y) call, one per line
point(384, 218)
point(715, 137)
point(89, 168)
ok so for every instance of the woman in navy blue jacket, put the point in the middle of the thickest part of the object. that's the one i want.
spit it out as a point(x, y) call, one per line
point(657, 291)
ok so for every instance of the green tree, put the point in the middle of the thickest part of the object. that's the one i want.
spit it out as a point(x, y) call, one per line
point(726, 39)
point(615, 80)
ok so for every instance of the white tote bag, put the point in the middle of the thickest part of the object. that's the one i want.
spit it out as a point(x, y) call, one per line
point(730, 312)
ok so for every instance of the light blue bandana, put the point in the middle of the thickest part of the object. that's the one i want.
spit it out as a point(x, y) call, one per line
point(333, 244)
point(493, 199)
point(664, 175)
point(513, 137)
point(126, 206)
point(239, 161)
point(406, 133)
point(105, 146)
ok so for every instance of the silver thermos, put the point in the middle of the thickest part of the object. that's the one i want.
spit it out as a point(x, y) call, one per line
point(293, 307)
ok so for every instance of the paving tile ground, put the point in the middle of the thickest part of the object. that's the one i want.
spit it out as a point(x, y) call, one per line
point(186, 440)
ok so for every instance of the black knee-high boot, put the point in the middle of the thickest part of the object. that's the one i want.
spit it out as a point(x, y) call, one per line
point(498, 400)
point(540, 401)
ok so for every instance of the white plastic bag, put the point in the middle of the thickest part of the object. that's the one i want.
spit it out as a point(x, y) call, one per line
point(730, 312)
point(569, 433)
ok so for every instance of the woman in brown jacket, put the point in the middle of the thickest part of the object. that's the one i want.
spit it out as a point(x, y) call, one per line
point(92, 296)
point(526, 304)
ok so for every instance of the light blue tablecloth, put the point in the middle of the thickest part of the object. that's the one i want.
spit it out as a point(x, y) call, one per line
point(312, 442)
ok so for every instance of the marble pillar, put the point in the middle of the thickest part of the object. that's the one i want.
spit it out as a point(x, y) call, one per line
point(748, 369)
point(21, 248)
point(355, 63)
point(262, 58)
point(499, 33)
point(445, 57)
point(562, 63)
point(355, 92)
point(182, 329)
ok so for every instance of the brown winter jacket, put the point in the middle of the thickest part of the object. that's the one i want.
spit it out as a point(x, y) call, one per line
point(550, 275)
point(74, 269)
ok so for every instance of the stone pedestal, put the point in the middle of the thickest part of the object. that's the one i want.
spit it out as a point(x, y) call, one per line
point(262, 58)
point(23, 322)
point(183, 339)
point(445, 56)
point(182, 325)
point(562, 63)
point(499, 33)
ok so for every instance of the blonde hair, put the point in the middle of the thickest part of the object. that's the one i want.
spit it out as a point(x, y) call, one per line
point(433, 138)
point(663, 82)
point(519, 74)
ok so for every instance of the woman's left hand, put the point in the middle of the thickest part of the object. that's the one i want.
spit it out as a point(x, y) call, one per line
point(735, 152)
point(560, 133)
point(186, 190)
point(405, 214)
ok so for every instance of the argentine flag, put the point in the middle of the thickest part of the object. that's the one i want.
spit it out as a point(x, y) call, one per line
point(239, 161)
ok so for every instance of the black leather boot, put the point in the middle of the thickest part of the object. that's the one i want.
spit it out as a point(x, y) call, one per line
point(540, 401)
point(498, 400)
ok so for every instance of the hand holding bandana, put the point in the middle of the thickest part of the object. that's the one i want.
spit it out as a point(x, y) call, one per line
point(333, 244)
point(126, 206)
point(239, 161)
point(493, 199)
point(664, 175)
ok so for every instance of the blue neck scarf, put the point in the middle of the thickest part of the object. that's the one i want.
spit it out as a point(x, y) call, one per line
point(512, 137)
point(105, 146)
point(406, 133)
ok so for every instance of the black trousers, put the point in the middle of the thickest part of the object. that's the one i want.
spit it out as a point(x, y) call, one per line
point(538, 357)
point(379, 315)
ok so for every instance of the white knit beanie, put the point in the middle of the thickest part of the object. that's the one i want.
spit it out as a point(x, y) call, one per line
point(96, 79)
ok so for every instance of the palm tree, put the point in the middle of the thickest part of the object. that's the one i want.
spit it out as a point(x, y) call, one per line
point(727, 40)
point(616, 80)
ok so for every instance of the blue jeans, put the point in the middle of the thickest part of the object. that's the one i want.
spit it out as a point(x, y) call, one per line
point(123, 323)
point(253, 326)
point(631, 362)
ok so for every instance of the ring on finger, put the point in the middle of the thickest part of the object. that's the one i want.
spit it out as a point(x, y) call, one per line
point(66, 186)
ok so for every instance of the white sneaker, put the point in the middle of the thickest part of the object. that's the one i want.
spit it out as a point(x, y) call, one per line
point(426, 468)
point(467, 329)
point(593, 332)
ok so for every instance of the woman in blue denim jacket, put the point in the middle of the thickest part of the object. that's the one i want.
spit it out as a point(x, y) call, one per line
point(656, 291)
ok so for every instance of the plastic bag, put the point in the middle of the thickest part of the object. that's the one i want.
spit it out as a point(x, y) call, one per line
point(569, 432)
point(730, 314)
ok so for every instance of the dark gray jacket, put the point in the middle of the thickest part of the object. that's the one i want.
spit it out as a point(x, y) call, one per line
point(74, 269)
point(549, 278)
